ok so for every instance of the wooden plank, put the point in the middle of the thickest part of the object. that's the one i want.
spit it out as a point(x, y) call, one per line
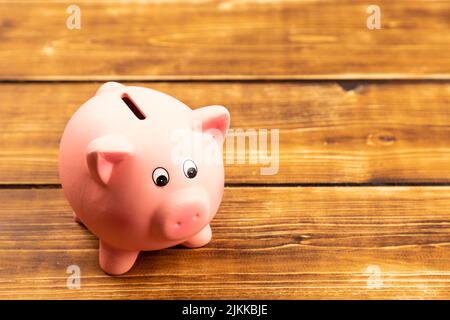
point(278, 243)
point(230, 39)
point(374, 133)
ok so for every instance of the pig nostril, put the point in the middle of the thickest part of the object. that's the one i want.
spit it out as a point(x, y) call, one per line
point(178, 224)
point(196, 216)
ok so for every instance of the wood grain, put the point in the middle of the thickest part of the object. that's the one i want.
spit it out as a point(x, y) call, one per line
point(278, 243)
point(372, 133)
point(229, 39)
point(269, 242)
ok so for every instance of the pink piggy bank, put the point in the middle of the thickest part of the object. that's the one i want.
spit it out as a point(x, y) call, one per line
point(142, 171)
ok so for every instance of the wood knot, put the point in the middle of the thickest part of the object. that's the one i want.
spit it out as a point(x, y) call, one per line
point(381, 138)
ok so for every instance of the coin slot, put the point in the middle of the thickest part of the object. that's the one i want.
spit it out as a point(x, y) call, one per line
point(133, 107)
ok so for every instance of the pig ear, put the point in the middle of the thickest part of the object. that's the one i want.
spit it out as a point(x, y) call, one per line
point(109, 86)
point(213, 118)
point(104, 153)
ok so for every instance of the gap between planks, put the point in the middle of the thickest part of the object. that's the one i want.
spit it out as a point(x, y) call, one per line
point(266, 185)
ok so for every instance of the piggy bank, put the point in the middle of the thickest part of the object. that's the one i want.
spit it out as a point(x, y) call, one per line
point(142, 171)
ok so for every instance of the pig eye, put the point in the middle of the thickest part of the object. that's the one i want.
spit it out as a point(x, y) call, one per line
point(189, 169)
point(160, 177)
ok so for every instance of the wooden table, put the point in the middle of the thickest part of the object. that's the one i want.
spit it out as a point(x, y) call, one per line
point(360, 207)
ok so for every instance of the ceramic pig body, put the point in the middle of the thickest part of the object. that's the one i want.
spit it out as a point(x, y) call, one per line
point(130, 172)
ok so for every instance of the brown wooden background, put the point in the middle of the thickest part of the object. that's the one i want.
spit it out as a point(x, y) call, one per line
point(364, 119)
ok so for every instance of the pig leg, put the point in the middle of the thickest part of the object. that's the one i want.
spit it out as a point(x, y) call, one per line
point(116, 261)
point(200, 239)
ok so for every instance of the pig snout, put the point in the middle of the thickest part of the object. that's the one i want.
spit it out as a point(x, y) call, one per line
point(189, 220)
point(184, 214)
